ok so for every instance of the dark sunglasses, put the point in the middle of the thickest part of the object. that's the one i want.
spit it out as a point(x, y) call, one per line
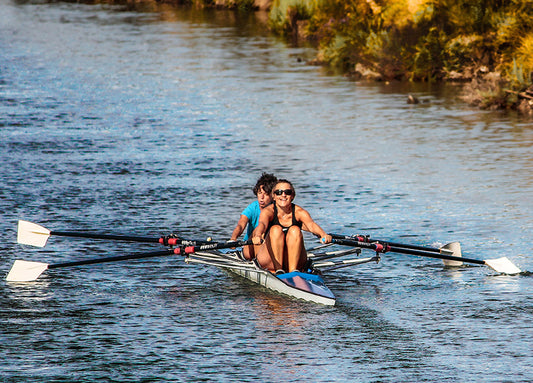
point(280, 192)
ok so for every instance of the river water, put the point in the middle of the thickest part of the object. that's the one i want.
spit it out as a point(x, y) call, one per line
point(154, 120)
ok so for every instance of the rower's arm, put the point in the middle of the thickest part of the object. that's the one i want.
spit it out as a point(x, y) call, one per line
point(241, 225)
point(264, 218)
point(310, 225)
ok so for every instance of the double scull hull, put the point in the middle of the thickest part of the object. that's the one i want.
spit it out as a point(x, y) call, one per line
point(306, 286)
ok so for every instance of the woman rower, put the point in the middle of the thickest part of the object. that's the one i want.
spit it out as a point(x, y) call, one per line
point(280, 227)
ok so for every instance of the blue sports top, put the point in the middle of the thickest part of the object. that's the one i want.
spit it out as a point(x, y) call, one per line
point(252, 211)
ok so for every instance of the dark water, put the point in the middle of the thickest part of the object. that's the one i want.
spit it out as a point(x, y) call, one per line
point(156, 120)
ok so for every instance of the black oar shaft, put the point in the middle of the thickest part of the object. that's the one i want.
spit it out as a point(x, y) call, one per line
point(434, 255)
point(168, 240)
point(189, 249)
point(370, 240)
point(105, 236)
point(386, 246)
point(111, 259)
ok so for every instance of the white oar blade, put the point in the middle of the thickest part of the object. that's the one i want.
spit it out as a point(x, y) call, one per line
point(503, 265)
point(453, 248)
point(30, 233)
point(25, 271)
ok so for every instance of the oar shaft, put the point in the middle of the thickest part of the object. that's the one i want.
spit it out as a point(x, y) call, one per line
point(187, 250)
point(24, 271)
point(434, 255)
point(386, 246)
point(105, 236)
point(370, 240)
point(168, 240)
point(111, 259)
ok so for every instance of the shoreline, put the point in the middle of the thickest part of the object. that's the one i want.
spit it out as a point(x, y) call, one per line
point(489, 50)
point(416, 40)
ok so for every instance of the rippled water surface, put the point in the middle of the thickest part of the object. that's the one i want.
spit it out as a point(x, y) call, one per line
point(156, 120)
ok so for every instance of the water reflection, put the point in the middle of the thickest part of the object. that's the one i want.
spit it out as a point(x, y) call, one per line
point(29, 292)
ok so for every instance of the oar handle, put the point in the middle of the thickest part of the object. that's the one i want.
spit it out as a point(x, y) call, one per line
point(376, 246)
point(211, 246)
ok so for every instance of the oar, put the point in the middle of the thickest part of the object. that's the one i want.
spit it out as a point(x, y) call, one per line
point(501, 265)
point(362, 238)
point(25, 271)
point(30, 233)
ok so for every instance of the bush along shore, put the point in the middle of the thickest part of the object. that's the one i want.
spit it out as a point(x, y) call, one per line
point(487, 44)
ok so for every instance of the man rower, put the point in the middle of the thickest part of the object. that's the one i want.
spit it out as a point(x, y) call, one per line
point(250, 216)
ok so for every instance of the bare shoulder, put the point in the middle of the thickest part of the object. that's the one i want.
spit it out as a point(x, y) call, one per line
point(300, 212)
point(268, 210)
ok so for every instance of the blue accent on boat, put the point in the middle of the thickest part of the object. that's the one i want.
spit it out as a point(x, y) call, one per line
point(307, 276)
point(311, 283)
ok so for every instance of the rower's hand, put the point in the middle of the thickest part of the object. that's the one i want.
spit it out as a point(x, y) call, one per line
point(257, 240)
point(326, 239)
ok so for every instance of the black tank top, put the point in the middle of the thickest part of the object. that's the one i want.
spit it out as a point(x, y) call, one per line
point(275, 220)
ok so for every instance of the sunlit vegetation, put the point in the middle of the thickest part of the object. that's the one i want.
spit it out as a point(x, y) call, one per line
point(419, 40)
point(487, 44)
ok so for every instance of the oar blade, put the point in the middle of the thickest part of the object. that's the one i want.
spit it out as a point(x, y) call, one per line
point(503, 265)
point(453, 249)
point(25, 271)
point(30, 233)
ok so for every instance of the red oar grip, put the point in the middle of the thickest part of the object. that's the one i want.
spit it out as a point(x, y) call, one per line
point(169, 241)
point(173, 241)
point(185, 250)
point(381, 247)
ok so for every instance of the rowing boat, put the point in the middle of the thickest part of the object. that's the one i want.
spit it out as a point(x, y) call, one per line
point(308, 286)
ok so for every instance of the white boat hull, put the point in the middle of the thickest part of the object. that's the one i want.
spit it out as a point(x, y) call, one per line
point(306, 286)
point(309, 287)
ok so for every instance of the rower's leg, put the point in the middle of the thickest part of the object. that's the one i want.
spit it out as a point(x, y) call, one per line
point(263, 255)
point(272, 247)
point(277, 244)
point(295, 243)
point(248, 252)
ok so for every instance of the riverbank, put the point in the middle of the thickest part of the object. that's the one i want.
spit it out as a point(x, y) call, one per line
point(487, 46)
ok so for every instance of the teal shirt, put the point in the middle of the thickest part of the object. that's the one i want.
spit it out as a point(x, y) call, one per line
point(252, 211)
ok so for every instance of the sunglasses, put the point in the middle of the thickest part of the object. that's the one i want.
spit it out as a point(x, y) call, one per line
point(280, 192)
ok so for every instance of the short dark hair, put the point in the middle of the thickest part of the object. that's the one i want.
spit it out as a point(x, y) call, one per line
point(267, 181)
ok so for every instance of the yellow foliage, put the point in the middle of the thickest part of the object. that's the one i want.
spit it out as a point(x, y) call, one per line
point(400, 13)
point(524, 55)
point(415, 6)
point(375, 8)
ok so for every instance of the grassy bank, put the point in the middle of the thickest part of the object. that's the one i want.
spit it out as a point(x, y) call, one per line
point(485, 43)
point(488, 44)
